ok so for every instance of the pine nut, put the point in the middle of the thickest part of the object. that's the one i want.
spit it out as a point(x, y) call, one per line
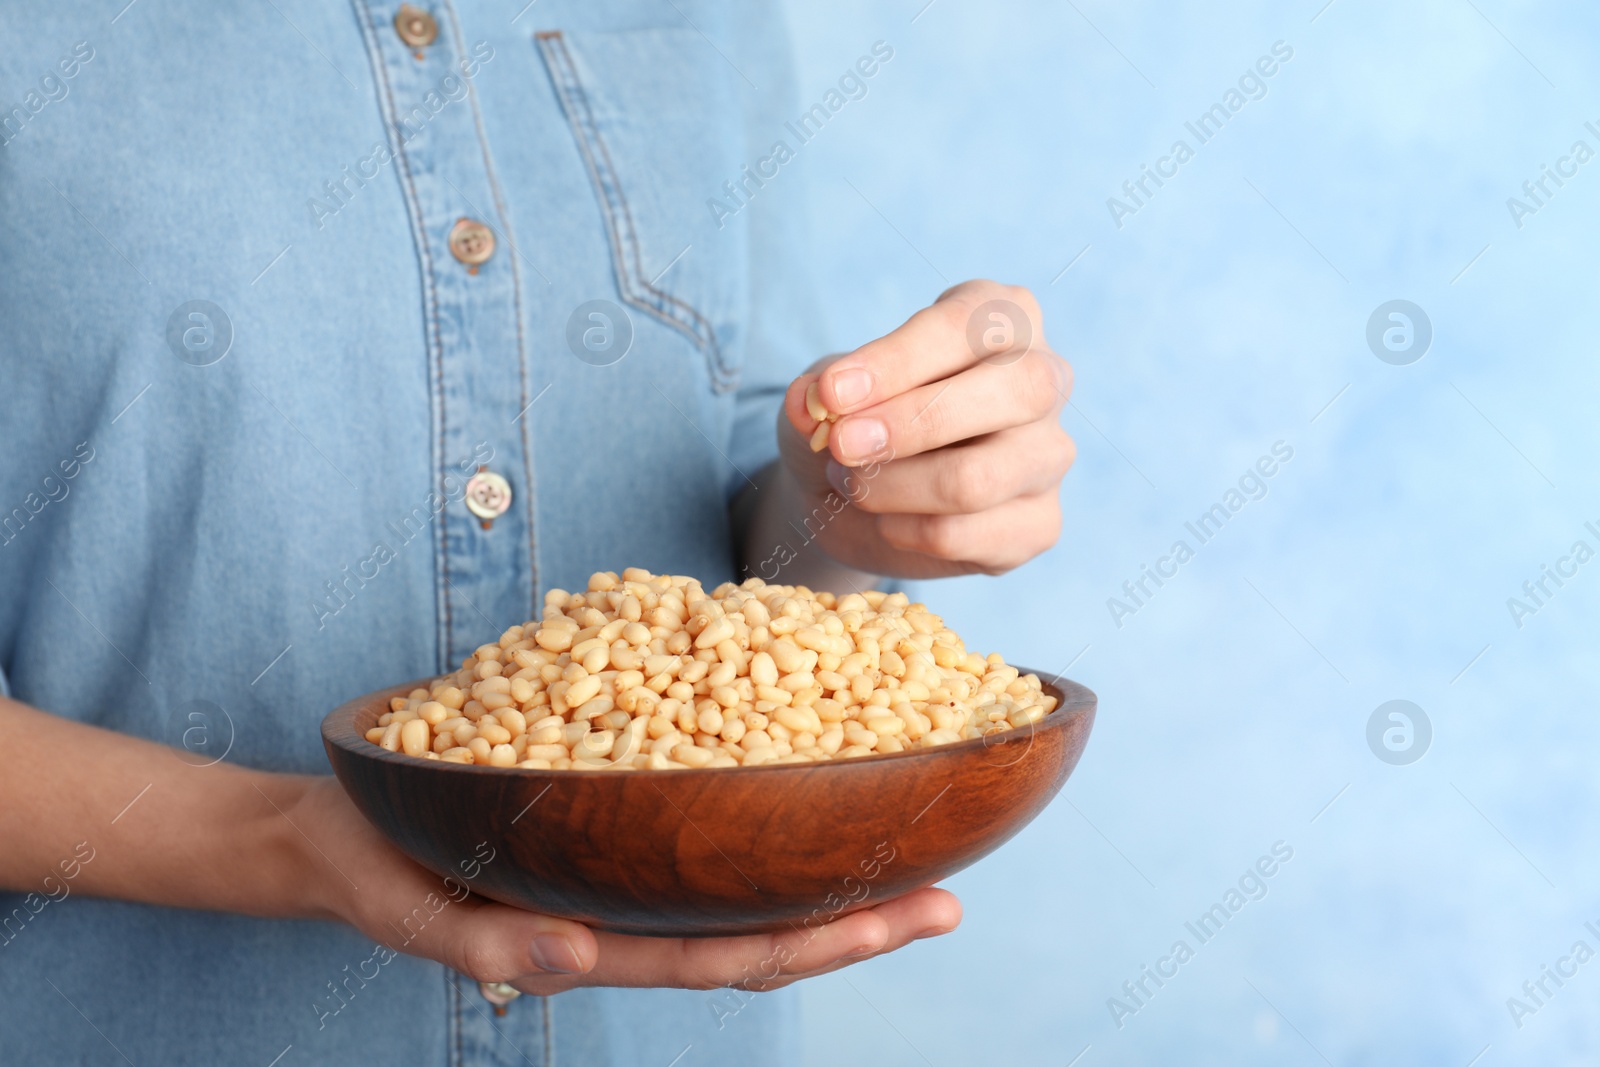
point(414, 737)
point(594, 745)
point(799, 720)
point(860, 736)
point(554, 640)
point(692, 755)
point(819, 436)
point(493, 732)
point(814, 406)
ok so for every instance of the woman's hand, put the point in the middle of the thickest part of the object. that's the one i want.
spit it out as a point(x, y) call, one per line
point(948, 447)
point(153, 827)
point(407, 908)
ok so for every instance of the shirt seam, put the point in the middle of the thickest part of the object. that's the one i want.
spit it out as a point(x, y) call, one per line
point(670, 309)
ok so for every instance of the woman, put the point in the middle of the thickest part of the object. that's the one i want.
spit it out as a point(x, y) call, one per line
point(334, 337)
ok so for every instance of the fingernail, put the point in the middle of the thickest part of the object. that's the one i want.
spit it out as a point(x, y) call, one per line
point(552, 952)
point(851, 386)
point(862, 438)
point(857, 953)
point(932, 931)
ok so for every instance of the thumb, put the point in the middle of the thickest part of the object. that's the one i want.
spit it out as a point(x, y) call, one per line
point(490, 942)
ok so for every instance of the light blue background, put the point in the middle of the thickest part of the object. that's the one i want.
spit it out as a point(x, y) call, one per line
point(1207, 328)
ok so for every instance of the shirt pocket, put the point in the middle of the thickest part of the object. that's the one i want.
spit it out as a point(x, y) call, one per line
point(660, 130)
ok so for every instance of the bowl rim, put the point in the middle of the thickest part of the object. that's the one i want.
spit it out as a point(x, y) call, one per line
point(1073, 700)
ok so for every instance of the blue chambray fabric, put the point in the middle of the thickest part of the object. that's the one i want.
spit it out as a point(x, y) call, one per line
point(258, 512)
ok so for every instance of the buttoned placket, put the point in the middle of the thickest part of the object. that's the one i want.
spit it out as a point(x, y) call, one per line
point(474, 342)
point(475, 338)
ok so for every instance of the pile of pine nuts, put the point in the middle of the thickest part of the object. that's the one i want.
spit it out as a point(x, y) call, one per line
point(650, 672)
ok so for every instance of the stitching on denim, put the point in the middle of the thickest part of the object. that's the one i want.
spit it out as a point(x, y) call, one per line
point(450, 1017)
point(552, 65)
point(619, 217)
point(664, 302)
point(664, 299)
point(455, 1004)
point(387, 105)
point(549, 1032)
point(516, 296)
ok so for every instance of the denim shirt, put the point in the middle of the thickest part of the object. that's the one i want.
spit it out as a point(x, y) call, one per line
point(280, 428)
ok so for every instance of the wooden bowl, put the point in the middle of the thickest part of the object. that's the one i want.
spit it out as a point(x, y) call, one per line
point(687, 853)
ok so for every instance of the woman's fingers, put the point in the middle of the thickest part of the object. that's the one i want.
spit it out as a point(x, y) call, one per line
point(945, 437)
point(759, 961)
point(923, 914)
point(707, 963)
point(991, 541)
point(965, 478)
point(979, 400)
point(976, 320)
point(917, 915)
point(410, 910)
point(492, 942)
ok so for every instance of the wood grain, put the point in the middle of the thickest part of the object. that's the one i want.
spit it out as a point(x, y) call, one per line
point(710, 852)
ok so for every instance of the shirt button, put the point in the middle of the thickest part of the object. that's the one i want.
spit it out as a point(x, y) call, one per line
point(488, 496)
point(471, 242)
point(416, 28)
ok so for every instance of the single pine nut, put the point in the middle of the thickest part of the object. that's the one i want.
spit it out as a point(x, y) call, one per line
point(555, 640)
point(814, 406)
point(692, 755)
point(860, 736)
point(594, 745)
point(414, 737)
point(493, 732)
